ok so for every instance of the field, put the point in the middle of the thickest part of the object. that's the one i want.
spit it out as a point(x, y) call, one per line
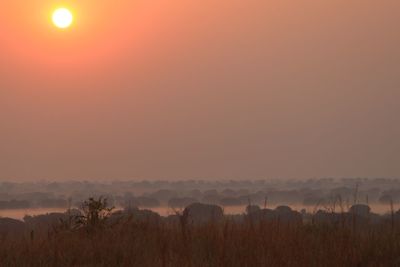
point(129, 242)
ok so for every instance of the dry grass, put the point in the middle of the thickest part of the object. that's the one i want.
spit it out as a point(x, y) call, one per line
point(131, 243)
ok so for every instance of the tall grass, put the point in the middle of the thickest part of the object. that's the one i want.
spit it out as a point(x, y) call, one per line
point(179, 244)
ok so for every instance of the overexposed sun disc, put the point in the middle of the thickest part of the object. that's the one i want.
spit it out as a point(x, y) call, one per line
point(62, 18)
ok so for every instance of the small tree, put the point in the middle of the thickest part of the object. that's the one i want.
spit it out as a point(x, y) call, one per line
point(95, 212)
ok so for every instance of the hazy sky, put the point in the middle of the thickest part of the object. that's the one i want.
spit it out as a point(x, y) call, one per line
point(200, 89)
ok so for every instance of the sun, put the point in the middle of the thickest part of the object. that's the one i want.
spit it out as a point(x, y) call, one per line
point(62, 18)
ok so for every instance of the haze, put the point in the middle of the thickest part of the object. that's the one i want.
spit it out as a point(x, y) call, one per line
point(200, 89)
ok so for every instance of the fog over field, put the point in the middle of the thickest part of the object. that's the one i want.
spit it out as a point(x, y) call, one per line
point(167, 197)
point(218, 133)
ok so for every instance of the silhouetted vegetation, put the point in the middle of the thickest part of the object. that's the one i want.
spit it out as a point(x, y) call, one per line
point(202, 236)
point(177, 194)
point(94, 213)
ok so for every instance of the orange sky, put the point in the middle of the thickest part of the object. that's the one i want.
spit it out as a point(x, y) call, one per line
point(200, 89)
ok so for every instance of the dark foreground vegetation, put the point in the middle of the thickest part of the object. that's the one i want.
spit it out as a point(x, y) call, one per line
point(201, 236)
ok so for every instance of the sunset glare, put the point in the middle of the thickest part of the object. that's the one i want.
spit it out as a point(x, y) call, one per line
point(62, 18)
point(200, 133)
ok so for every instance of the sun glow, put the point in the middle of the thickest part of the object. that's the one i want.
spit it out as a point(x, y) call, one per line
point(62, 18)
